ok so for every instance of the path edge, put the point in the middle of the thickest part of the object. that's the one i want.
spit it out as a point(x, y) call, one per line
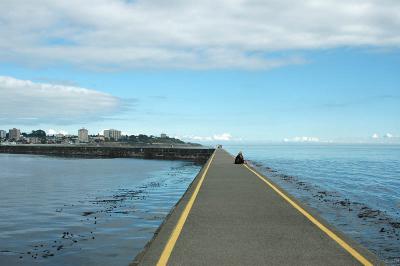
point(165, 229)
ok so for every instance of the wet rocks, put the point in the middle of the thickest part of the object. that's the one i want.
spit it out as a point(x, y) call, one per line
point(323, 193)
point(344, 203)
point(47, 254)
point(395, 224)
point(66, 235)
point(268, 169)
point(366, 212)
point(288, 178)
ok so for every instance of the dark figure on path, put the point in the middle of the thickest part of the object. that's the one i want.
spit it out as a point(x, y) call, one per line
point(239, 159)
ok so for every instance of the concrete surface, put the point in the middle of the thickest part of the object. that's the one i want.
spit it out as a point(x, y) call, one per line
point(237, 219)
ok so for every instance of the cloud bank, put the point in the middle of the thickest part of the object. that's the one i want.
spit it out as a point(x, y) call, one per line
point(388, 137)
point(215, 137)
point(302, 139)
point(53, 132)
point(24, 102)
point(375, 136)
point(192, 34)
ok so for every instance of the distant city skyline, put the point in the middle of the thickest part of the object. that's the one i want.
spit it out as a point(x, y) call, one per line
point(231, 72)
point(387, 138)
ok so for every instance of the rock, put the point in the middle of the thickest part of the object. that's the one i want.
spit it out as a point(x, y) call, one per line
point(368, 213)
point(395, 224)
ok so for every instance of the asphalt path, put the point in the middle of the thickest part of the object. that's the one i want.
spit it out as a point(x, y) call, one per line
point(232, 215)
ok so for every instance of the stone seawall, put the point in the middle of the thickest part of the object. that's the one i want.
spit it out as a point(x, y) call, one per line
point(199, 154)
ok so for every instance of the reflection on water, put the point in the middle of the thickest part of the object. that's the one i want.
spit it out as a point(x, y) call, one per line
point(354, 187)
point(57, 211)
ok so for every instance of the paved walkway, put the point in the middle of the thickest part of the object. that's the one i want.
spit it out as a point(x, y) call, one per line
point(231, 215)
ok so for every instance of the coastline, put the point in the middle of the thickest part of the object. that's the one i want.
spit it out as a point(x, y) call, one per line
point(161, 152)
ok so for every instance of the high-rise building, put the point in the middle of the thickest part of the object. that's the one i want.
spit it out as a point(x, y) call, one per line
point(83, 135)
point(14, 134)
point(3, 134)
point(112, 134)
point(163, 136)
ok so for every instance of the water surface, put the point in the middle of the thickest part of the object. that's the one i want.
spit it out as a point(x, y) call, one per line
point(59, 211)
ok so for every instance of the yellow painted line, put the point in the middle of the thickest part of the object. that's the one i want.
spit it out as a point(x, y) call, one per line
point(331, 234)
point(163, 260)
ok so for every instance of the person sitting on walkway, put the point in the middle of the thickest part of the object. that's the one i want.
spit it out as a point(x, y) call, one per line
point(239, 159)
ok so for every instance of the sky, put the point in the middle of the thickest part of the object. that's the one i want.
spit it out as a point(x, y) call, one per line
point(224, 71)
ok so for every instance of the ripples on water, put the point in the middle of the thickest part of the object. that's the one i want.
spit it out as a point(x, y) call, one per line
point(57, 211)
point(354, 187)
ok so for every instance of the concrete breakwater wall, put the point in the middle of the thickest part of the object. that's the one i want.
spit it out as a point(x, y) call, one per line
point(198, 154)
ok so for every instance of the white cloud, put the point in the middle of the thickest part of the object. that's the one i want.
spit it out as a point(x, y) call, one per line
point(24, 102)
point(223, 137)
point(384, 138)
point(388, 135)
point(215, 137)
point(199, 138)
point(51, 131)
point(302, 139)
point(195, 34)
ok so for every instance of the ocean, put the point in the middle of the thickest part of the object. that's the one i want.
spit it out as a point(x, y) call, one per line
point(356, 188)
point(68, 211)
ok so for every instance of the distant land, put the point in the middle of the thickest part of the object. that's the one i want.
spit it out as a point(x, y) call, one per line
point(112, 144)
point(110, 137)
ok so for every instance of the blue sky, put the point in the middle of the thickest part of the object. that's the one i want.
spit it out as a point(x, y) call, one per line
point(320, 85)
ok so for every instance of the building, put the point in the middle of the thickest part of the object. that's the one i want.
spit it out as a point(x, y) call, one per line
point(14, 134)
point(112, 134)
point(98, 138)
point(34, 140)
point(3, 134)
point(59, 136)
point(83, 135)
point(163, 136)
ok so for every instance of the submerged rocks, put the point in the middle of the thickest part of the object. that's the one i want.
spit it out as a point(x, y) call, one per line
point(366, 212)
point(395, 224)
point(344, 203)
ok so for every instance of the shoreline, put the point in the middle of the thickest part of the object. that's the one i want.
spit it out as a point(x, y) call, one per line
point(161, 152)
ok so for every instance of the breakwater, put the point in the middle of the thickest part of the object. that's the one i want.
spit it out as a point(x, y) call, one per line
point(232, 215)
point(199, 154)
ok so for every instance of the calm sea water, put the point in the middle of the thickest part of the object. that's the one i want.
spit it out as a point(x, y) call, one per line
point(354, 187)
point(57, 211)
